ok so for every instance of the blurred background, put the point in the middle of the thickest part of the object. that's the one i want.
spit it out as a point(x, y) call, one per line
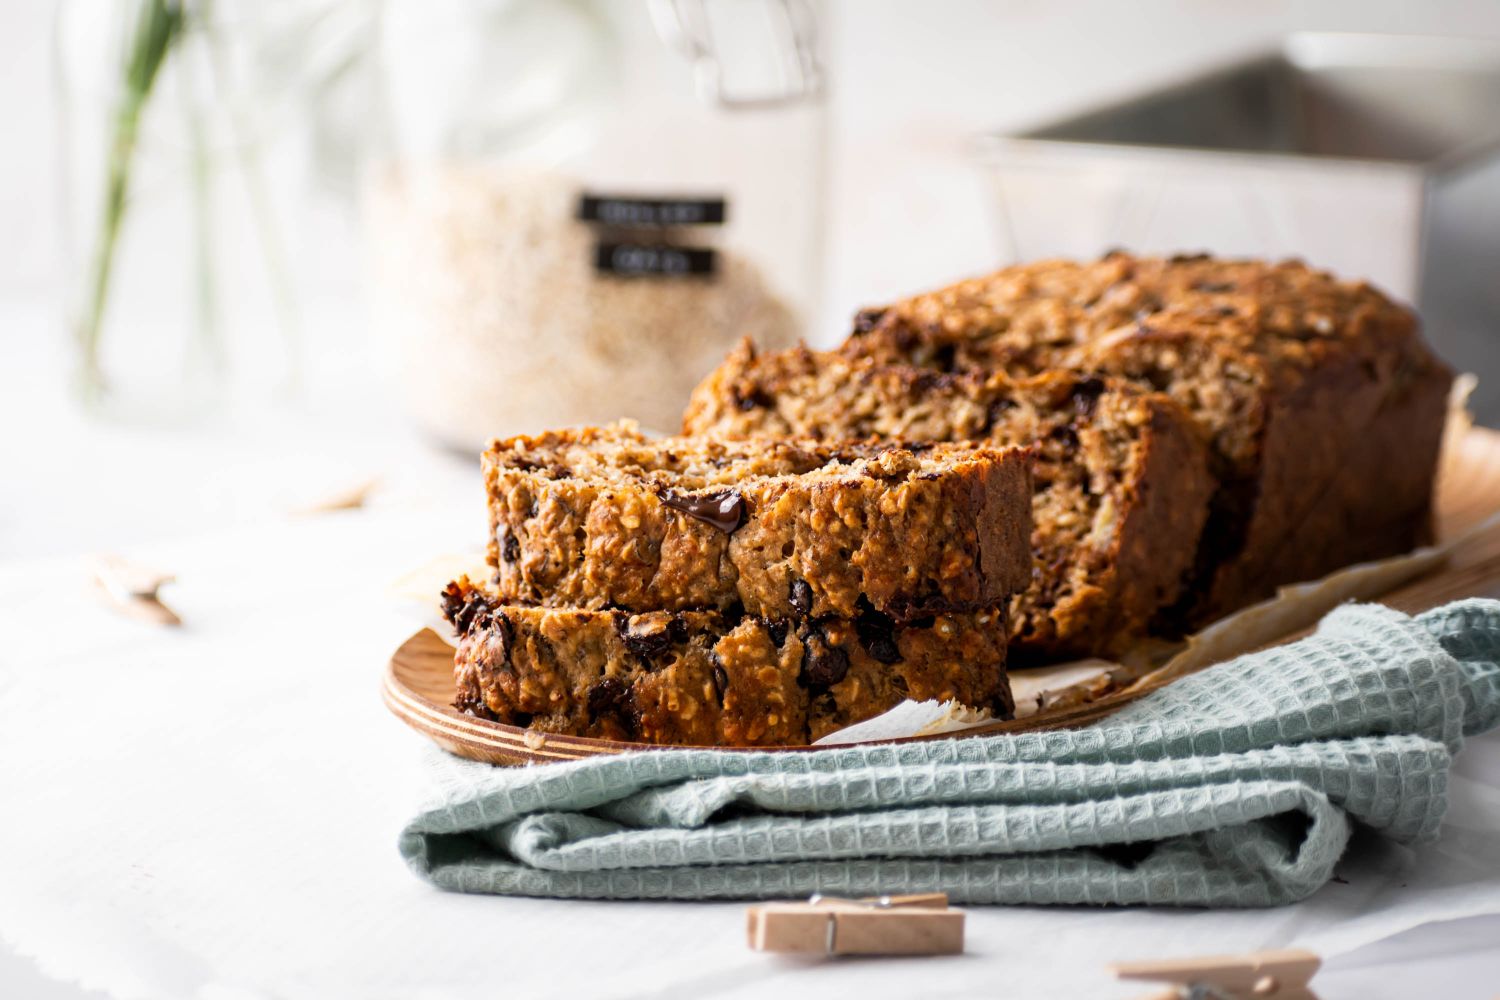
point(267, 256)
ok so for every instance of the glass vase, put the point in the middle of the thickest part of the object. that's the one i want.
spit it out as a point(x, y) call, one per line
point(175, 216)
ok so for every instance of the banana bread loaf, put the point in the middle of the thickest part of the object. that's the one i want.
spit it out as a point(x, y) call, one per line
point(1323, 406)
point(701, 678)
point(1122, 481)
point(605, 518)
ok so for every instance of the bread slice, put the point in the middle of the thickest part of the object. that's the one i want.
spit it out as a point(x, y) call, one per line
point(1122, 483)
point(606, 518)
point(703, 678)
point(1323, 407)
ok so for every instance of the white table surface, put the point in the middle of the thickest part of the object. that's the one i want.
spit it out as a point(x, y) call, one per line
point(211, 812)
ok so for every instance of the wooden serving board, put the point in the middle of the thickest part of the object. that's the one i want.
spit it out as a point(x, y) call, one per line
point(418, 683)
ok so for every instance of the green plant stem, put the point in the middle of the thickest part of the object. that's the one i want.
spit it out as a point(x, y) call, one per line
point(159, 25)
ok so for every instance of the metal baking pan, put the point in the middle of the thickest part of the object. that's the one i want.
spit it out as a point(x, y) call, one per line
point(1377, 156)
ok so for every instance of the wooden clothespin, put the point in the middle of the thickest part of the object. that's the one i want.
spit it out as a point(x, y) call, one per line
point(133, 590)
point(878, 925)
point(1280, 975)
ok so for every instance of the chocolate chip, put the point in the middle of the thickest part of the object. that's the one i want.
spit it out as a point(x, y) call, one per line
point(945, 357)
point(756, 398)
point(612, 696)
point(776, 629)
point(866, 319)
point(475, 706)
point(1065, 433)
point(992, 413)
point(456, 607)
point(823, 665)
point(649, 644)
point(720, 679)
point(800, 597)
point(465, 608)
point(929, 381)
point(723, 509)
point(510, 550)
point(877, 634)
point(1085, 395)
point(498, 640)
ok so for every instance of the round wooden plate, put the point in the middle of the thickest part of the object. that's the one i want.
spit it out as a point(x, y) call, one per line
point(418, 683)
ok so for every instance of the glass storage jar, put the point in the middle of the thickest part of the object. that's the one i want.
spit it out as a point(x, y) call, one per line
point(588, 203)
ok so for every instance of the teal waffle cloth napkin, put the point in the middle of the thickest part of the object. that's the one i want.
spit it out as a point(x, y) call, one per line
point(1236, 786)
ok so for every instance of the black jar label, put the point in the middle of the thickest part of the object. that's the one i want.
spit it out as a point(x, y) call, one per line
point(651, 213)
point(652, 260)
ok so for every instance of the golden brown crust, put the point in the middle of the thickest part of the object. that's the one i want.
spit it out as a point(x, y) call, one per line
point(1121, 475)
point(1300, 381)
point(606, 518)
point(696, 678)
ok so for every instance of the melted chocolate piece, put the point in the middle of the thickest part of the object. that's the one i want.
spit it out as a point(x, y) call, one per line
point(1066, 433)
point(823, 665)
point(720, 678)
point(756, 398)
point(470, 705)
point(723, 509)
point(945, 357)
point(498, 641)
point(866, 319)
point(612, 696)
point(992, 413)
point(649, 645)
point(465, 611)
point(510, 551)
point(456, 608)
point(877, 634)
point(777, 630)
point(800, 597)
point(1085, 396)
point(928, 381)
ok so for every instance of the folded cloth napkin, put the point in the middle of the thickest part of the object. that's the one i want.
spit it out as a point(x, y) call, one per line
point(1237, 786)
